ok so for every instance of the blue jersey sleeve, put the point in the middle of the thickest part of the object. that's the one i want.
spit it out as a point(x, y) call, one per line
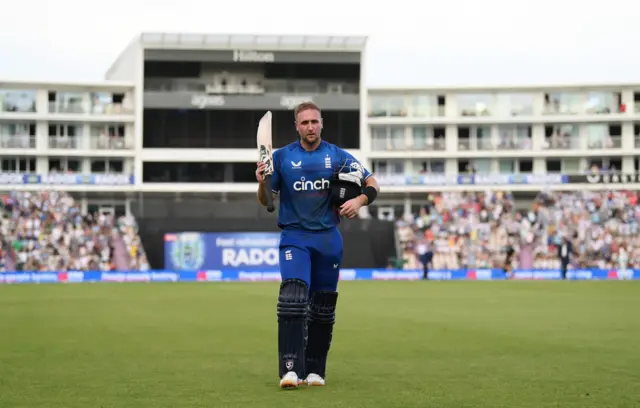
point(349, 156)
point(276, 177)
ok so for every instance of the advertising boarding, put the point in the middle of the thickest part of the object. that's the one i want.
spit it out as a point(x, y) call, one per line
point(198, 251)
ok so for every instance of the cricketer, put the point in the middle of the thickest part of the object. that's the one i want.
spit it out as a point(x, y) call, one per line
point(317, 183)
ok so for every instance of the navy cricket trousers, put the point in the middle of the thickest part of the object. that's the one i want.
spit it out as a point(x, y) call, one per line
point(313, 257)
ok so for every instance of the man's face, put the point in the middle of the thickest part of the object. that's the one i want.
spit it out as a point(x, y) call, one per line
point(309, 125)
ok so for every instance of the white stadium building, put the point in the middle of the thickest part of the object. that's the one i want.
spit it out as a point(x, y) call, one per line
point(94, 139)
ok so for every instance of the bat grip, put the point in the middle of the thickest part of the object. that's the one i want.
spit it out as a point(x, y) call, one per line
point(269, 193)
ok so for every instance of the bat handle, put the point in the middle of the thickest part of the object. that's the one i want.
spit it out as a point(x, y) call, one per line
point(267, 185)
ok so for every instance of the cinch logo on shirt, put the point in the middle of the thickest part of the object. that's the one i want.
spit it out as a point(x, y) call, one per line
point(304, 185)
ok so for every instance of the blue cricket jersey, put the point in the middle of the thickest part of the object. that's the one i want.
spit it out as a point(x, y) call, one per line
point(302, 179)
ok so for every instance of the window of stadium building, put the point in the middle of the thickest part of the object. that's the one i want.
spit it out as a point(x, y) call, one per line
point(18, 136)
point(99, 165)
point(388, 167)
point(65, 136)
point(475, 104)
point(63, 164)
point(604, 164)
point(515, 137)
point(397, 137)
point(477, 138)
point(428, 166)
point(108, 103)
point(66, 102)
point(636, 135)
point(485, 140)
point(567, 166)
point(562, 137)
point(481, 166)
point(507, 166)
point(429, 138)
point(603, 102)
point(516, 104)
point(570, 103)
point(17, 101)
point(107, 166)
point(388, 138)
point(21, 165)
point(108, 136)
point(423, 106)
point(379, 138)
point(602, 136)
point(394, 106)
point(515, 166)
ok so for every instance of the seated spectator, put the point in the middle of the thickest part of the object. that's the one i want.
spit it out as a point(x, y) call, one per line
point(128, 229)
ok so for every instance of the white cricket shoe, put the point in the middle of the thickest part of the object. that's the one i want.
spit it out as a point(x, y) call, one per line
point(314, 380)
point(290, 380)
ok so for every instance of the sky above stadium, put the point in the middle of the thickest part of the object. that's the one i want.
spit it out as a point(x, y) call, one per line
point(411, 43)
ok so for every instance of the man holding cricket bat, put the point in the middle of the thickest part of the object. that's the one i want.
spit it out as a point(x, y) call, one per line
point(317, 183)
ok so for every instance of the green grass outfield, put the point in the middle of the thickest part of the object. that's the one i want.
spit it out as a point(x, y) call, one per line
point(396, 344)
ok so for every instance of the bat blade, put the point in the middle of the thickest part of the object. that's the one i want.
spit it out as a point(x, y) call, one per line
point(265, 155)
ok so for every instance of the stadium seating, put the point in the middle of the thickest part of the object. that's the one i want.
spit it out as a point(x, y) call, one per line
point(47, 231)
point(474, 230)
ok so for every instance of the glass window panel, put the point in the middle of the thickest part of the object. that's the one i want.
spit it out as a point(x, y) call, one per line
point(8, 164)
point(379, 138)
point(116, 166)
point(436, 166)
point(397, 167)
point(483, 136)
point(17, 101)
point(601, 102)
point(98, 166)
point(525, 166)
point(564, 137)
point(73, 165)
point(423, 106)
point(380, 167)
point(419, 137)
point(506, 166)
point(516, 104)
point(597, 136)
point(482, 165)
point(554, 166)
point(564, 103)
point(397, 106)
point(571, 165)
point(377, 106)
point(475, 104)
point(398, 138)
point(522, 104)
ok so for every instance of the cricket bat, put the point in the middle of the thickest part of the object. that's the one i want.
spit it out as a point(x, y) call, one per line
point(265, 155)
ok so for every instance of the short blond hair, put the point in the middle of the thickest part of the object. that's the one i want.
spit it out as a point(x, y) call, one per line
point(305, 106)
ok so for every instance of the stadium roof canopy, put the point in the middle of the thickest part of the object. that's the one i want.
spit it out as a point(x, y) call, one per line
point(252, 41)
point(232, 42)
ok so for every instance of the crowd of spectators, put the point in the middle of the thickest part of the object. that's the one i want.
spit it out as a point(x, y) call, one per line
point(47, 231)
point(477, 230)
